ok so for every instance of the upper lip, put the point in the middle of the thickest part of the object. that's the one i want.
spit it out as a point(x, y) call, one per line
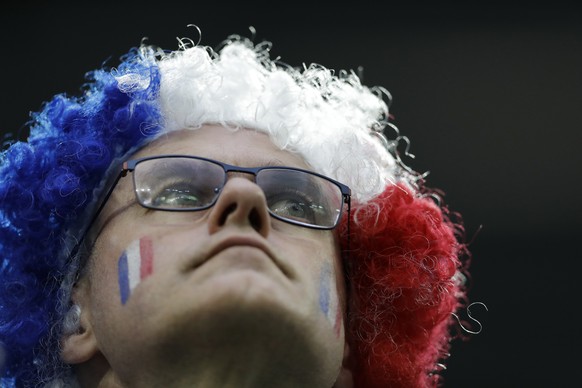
point(239, 240)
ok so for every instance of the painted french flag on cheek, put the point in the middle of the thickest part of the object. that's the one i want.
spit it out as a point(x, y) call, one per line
point(135, 264)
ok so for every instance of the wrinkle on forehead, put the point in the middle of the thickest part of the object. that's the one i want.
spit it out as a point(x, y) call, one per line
point(251, 149)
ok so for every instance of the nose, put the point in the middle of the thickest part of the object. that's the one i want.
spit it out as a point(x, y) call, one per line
point(241, 204)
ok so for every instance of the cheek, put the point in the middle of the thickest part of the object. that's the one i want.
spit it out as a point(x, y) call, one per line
point(134, 265)
point(318, 257)
point(328, 297)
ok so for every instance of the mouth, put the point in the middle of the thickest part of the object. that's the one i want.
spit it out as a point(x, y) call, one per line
point(243, 240)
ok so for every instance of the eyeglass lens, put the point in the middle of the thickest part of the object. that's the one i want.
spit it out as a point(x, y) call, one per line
point(181, 183)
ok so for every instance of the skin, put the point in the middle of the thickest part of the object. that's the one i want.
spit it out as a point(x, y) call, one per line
point(234, 298)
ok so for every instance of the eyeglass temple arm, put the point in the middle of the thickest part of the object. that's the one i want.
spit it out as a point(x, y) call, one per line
point(348, 201)
point(77, 246)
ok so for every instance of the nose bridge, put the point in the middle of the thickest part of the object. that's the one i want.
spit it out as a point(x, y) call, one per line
point(243, 172)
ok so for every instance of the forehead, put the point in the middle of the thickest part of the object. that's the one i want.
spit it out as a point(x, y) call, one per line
point(242, 147)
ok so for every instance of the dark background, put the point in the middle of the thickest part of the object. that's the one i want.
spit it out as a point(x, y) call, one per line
point(489, 96)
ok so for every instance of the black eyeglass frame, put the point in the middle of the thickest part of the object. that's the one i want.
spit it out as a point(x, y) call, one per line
point(129, 166)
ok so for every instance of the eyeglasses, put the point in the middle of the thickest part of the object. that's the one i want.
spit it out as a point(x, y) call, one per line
point(189, 183)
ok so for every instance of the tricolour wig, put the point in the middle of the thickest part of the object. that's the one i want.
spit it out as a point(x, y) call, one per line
point(404, 258)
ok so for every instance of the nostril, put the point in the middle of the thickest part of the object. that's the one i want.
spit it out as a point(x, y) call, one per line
point(256, 220)
point(229, 210)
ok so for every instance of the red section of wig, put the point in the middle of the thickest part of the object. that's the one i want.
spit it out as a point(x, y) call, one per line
point(402, 257)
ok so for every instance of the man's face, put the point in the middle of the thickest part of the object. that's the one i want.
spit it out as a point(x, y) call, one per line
point(169, 292)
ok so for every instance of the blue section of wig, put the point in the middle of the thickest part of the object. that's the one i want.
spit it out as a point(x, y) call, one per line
point(47, 183)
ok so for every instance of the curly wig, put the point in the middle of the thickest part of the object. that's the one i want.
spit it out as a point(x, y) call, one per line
point(405, 254)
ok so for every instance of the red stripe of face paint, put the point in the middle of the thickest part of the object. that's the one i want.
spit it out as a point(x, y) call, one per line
point(338, 322)
point(146, 252)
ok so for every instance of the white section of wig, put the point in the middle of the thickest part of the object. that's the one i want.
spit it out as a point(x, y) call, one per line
point(324, 117)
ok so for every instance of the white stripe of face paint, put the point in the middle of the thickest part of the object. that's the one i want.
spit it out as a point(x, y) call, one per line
point(133, 263)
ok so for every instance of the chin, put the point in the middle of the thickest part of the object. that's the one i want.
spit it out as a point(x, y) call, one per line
point(242, 317)
point(248, 319)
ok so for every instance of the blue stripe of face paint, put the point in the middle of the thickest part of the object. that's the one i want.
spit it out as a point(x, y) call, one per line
point(324, 290)
point(123, 271)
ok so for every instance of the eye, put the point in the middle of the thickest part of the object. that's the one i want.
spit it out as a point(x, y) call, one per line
point(177, 183)
point(177, 197)
point(180, 195)
point(294, 206)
